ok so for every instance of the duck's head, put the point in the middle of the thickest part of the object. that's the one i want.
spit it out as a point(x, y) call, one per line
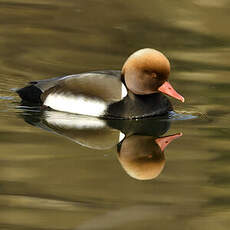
point(147, 71)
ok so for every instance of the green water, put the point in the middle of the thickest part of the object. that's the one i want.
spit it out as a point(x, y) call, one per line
point(48, 181)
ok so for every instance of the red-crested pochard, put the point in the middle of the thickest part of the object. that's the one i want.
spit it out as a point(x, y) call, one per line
point(135, 92)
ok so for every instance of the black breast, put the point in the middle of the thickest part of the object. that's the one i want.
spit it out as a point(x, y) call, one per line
point(140, 106)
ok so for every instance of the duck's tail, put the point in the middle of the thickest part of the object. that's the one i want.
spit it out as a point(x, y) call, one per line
point(30, 94)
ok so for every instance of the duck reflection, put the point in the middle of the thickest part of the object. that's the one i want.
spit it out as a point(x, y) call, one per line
point(87, 131)
point(139, 147)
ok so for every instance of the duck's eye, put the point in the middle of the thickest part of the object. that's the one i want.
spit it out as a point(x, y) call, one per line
point(154, 75)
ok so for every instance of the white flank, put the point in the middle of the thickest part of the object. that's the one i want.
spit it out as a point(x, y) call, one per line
point(76, 104)
point(66, 120)
point(123, 91)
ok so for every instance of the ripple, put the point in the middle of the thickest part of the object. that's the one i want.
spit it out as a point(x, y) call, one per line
point(182, 116)
point(7, 98)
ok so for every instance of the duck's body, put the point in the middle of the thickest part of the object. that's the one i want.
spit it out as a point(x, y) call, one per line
point(130, 93)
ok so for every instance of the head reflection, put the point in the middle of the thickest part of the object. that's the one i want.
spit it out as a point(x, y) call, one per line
point(140, 152)
point(142, 157)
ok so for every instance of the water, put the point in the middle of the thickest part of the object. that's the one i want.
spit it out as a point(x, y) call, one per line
point(54, 179)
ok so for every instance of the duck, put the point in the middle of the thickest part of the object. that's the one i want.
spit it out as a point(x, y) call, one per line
point(137, 91)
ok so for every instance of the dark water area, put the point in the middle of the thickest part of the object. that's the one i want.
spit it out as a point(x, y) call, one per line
point(53, 177)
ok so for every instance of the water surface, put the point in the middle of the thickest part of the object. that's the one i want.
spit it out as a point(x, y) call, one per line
point(49, 181)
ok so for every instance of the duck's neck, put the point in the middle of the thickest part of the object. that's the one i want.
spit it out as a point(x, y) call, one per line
point(140, 106)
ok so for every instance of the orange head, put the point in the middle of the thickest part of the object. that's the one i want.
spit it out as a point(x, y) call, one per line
point(147, 71)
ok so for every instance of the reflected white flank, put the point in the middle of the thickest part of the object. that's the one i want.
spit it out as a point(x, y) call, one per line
point(121, 136)
point(66, 120)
